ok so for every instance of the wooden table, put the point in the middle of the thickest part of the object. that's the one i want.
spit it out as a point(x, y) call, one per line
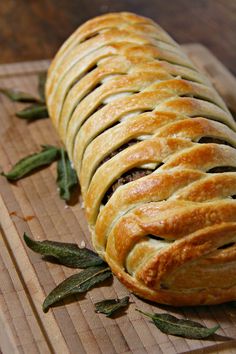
point(33, 30)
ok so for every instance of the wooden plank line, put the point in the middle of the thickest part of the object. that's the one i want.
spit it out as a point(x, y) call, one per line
point(8, 337)
point(23, 68)
point(26, 275)
point(28, 296)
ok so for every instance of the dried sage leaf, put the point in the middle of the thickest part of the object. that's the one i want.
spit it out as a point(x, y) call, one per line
point(68, 254)
point(41, 85)
point(170, 324)
point(36, 111)
point(18, 96)
point(77, 284)
point(32, 162)
point(66, 176)
point(109, 307)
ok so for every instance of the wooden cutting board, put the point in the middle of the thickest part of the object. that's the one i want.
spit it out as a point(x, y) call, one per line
point(32, 205)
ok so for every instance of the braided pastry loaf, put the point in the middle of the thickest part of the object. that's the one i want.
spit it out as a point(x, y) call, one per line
point(153, 145)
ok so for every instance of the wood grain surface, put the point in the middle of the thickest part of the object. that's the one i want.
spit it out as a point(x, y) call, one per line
point(32, 205)
point(31, 30)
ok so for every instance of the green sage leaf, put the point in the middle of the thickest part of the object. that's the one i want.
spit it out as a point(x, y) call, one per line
point(179, 327)
point(19, 96)
point(77, 284)
point(41, 85)
point(32, 162)
point(36, 111)
point(66, 176)
point(68, 254)
point(109, 307)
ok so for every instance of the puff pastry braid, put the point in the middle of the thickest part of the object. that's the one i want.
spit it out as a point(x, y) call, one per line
point(154, 148)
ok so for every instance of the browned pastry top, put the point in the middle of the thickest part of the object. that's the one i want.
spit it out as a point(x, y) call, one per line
point(154, 147)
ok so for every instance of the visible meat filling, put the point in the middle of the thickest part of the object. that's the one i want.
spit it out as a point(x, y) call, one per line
point(115, 152)
point(221, 169)
point(92, 68)
point(226, 246)
point(98, 107)
point(198, 97)
point(89, 37)
point(154, 237)
point(131, 175)
point(233, 114)
point(209, 140)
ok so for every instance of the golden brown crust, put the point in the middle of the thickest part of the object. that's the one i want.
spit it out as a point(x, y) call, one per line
point(153, 145)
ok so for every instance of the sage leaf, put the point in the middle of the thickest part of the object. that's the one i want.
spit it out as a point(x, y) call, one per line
point(36, 111)
point(66, 176)
point(179, 327)
point(32, 162)
point(18, 96)
point(68, 254)
point(109, 307)
point(41, 85)
point(77, 284)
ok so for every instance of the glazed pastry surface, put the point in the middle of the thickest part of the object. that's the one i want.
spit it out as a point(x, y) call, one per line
point(154, 147)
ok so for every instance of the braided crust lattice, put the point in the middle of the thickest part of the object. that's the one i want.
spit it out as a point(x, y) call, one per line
point(154, 148)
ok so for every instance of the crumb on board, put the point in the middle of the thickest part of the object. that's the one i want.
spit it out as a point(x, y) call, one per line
point(82, 244)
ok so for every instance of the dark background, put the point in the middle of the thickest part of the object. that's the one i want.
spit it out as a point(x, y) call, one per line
point(34, 29)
